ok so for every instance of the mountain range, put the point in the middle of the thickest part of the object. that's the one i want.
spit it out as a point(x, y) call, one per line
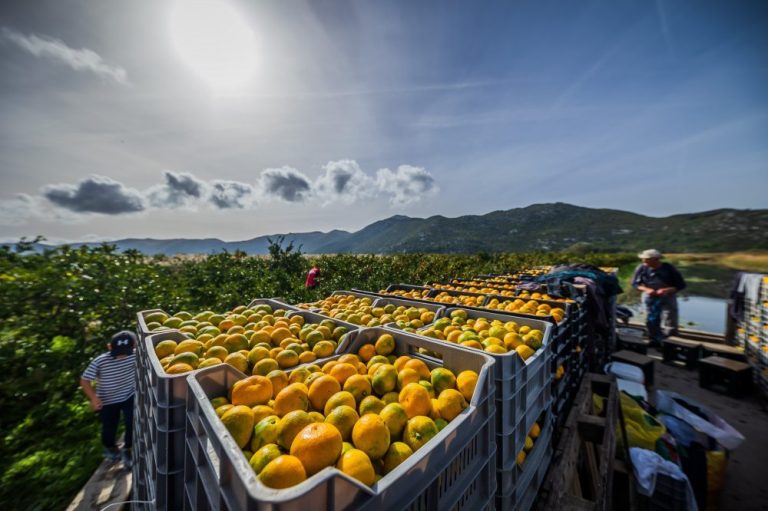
point(549, 227)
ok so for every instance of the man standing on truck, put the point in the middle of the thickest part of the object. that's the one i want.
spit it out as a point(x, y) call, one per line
point(659, 282)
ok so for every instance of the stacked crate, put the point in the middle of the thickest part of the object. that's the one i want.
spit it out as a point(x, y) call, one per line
point(454, 470)
point(752, 333)
point(160, 419)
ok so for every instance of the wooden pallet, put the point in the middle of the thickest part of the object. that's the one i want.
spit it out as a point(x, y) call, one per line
point(581, 471)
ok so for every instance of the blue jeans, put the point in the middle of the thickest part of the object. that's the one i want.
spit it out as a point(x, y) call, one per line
point(658, 308)
point(110, 419)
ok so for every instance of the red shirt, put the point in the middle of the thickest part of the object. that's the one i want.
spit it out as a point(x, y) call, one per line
point(311, 277)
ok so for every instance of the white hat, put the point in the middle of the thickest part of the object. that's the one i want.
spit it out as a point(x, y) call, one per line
point(651, 253)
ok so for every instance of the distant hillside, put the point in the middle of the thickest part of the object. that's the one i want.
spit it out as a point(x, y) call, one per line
point(551, 227)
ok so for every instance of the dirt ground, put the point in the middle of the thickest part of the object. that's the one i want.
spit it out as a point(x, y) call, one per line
point(746, 486)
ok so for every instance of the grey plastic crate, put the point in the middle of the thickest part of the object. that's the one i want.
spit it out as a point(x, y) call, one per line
point(523, 388)
point(314, 317)
point(510, 475)
point(524, 495)
point(275, 303)
point(397, 302)
point(571, 309)
point(509, 366)
point(142, 330)
point(510, 443)
point(452, 471)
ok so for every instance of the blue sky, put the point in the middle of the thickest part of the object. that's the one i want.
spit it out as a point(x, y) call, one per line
point(112, 126)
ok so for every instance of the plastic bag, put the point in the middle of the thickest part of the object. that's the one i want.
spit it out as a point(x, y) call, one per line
point(713, 425)
point(643, 430)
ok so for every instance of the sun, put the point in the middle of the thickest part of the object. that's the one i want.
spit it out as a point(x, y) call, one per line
point(215, 41)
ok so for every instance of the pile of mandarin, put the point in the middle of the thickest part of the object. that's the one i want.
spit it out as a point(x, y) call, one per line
point(255, 341)
point(362, 413)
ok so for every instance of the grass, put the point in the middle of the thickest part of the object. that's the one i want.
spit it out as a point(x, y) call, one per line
point(752, 261)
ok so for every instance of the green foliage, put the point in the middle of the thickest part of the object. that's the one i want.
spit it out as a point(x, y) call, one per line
point(58, 309)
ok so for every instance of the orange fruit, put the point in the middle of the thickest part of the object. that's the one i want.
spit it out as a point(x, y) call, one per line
point(316, 417)
point(298, 375)
point(292, 397)
point(263, 456)
point(371, 435)
point(377, 359)
point(321, 390)
point(222, 409)
point(349, 358)
point(420, 367)
point(395, 418)
point(442, 379)
point(261, 412)
point(390, 397)
point(415, 400)
point(535, 431)
point(290, 426)
point(340, 398)
point(524, 351)
point(179, 368)
point(306, 357)
point(466, 382)
point(400, 361)
point(450, 403)
point(520, 458)
point(372, 368)
point(370, 404)
point(385, 344)
point(265, 366)
point(279, 381)
point(418, 431)
point(397, 453)
point(279, 334)
point(406, 376)
point(343, 417)
point(317, 446)
point(357, 464)
point(323, 349)
point(251, 391)
point(384, 379)
point(366, 352)
point(239, 422)
point(359, 386)
point(265, 432)
point(342, 371)
point(434, 414)
point(283, 472)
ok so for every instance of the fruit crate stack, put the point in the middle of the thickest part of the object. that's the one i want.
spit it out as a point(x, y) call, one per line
point(450, 469)
point(160, 409)
point(752, 331)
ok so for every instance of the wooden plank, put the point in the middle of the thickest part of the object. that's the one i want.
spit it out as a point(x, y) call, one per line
point(109, 484)
point(584, 459)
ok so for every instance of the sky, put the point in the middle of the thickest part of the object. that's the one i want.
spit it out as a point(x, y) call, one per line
point(234, 119)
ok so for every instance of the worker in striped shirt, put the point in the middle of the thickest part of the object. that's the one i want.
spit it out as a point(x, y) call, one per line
point(109, 381)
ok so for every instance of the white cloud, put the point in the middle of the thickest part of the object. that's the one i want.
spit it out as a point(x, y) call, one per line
point(343, 181)
point(406, 185)
point(55, 49)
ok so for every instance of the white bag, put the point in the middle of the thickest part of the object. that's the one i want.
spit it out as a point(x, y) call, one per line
point(713, 426)
point(625, 372)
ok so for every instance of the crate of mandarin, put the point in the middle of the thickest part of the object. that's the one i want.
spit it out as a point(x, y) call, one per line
point(378, 426)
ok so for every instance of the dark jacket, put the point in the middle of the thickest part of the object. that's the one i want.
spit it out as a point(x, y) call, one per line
point(665, 275)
